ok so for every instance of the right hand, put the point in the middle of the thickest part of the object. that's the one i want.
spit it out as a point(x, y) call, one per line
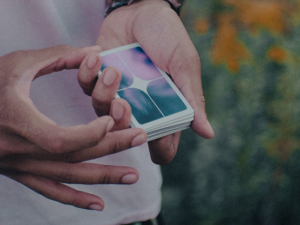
point(38, 153)
point(158, 29)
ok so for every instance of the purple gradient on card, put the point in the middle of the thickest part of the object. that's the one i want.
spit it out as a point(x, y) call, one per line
point(140, 64)
point(115, 61)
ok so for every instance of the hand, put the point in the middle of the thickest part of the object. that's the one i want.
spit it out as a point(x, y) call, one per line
point(38, 153)
point(160, 32)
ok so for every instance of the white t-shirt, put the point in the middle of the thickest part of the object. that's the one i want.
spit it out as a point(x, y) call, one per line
point(33, 24)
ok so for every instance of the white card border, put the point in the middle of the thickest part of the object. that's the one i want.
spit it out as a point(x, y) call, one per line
point(163, 120)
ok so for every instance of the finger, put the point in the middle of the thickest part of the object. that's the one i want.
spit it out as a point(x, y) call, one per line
point(105, 90)
point(163, 150)
point(79, 173)
point(112, 143)
point(59, 192)
point(40, 130)
point(121, 113)
point(88, 71)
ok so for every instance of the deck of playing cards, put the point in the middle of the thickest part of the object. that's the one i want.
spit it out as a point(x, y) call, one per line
point(157, 105)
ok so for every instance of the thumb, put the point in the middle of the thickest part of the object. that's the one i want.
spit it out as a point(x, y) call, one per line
point(182, 62)
point(61, 57)
point(31, 64)
point(27, 65)
point(188, 79)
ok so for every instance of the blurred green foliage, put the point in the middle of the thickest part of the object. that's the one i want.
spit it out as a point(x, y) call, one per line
point(249, 173)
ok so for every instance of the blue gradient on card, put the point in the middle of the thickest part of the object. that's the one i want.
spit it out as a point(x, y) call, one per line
point(165, 97)
point(142, 107)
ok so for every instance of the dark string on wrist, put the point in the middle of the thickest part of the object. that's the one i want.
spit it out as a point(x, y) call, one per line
point(115, 5)
point(176, 9)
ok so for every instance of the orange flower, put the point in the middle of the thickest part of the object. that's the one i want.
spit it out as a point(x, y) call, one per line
point(260, 14)
point(277, 54)
point(226, 48)
point(250, 14)
point(201, 26)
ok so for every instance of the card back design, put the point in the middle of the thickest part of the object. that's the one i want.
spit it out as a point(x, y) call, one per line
point(152, 95)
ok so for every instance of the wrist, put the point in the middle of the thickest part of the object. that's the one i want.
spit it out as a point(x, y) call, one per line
point(115, 4)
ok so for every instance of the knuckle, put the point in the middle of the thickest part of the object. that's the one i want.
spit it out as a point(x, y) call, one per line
point(200, 101)
point(105, 177)
point(116, 146)
point(113, 148)
point(61, 63)
point(75, 201)
point(66, 177)
point(202, 98)
point(99, 97)
point(47, 194)
point(55, 145)
point(95, 136)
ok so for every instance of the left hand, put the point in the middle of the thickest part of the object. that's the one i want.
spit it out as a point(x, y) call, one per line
point(40, 154)
point(160, 32)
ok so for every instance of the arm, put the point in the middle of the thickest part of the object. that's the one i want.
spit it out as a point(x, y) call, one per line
point(162, 35)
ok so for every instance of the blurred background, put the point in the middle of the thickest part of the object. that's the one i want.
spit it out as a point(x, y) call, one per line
point(249, 173)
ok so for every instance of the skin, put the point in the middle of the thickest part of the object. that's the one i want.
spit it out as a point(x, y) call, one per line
point(162, 35)
point(38, 153)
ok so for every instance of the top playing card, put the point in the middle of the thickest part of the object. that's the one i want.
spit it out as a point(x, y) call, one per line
point(149, 91)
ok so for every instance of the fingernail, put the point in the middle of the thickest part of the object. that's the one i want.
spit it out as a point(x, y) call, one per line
point(92, 61)
point(109, 77)
point(96, 207)
point(129, 179)
point(110, 125)
point(118, 111)
point(138, 140)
